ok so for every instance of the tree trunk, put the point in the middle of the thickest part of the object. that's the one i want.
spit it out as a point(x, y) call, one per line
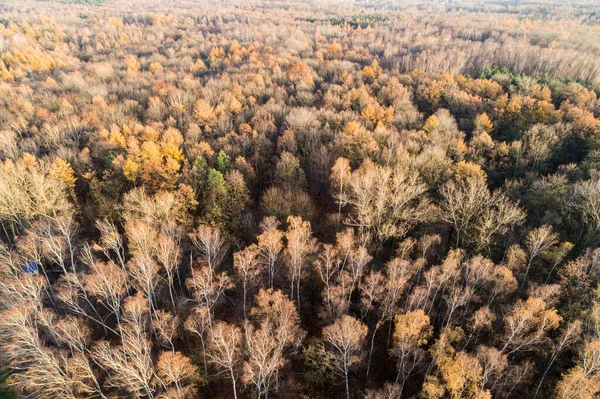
point(244, 297)
point(298, 292)
point(233, 383)
point(347, 387)
point(371, 350)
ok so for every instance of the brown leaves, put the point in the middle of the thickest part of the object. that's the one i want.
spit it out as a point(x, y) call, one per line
point(412, 328)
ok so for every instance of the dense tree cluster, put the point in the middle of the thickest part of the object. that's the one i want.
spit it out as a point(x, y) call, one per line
point(281, 199)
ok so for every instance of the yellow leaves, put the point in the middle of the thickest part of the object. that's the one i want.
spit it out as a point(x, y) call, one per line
point(204, 113)
point(465, 170)
point(432, 388)
point(229, 104)
point(462, 376)
point(171, 166)
point(148, 154)
point(62, 170)
point(375, 114)
point(483, 123)
point(334, 49)
point(133, 65)
point(197, 66)
point(514, 106)
point(151, 155)
point(373, 71)
point(412, 328)
point(28, 160)
point(171, 140)
point(5, 74)
point(116, 22)
point(369, 72)
point(353, 128)
point(300, 74)
point(235, 106)
point(155, 67)
point(31, 58)
point(529, 321)
point(235, 47)
point(116, 138)
point(576, 385)
point(431, 124)
point(124, 38)
point(130, 169)
point(156, 19)
point(371, 113)
point(216, 53)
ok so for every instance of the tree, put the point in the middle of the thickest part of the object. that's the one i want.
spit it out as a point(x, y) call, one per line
point(412, 330)
point(581, 381)
point(207, 287)
point(168, 254)
point(346, 338)
point(300, 245)
point(166, 326)
point(538, 242)
point(209, 242)
point(270, 246)
point(475, 214)
point(389, 391)
point(527, 324)
point(340, 176)
point(569, 336)
point(108, 283)
point(397, 274)
point(288, 173)
point(461, 377)
point(42, 373)
point(204, 113)
point(30, 191)
point(575, 385)
point(246, 265)
point(143, 270)
point(130, 363)
point(177, 373)
point(199, 323)
point(224, 342)
point(384, 201)
point(275, 334)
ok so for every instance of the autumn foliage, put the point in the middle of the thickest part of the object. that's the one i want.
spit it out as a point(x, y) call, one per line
point(227, 199)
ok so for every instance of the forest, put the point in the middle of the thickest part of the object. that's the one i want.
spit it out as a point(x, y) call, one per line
point(300, 199)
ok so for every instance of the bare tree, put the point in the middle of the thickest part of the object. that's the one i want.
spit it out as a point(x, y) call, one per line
point(208, 241)
point(384, 201)
point(346, 337)
point(111, 240)
point(108, 283)
point(225, 350)
point(300, 245)
point(538, 242)
point(476, 214)
point(168, 253)
point(207, 287)
point(177, 373)
point(277, 334)
point(246, 265)
point(198, 323)
point(270, 245)
point(166, 327)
